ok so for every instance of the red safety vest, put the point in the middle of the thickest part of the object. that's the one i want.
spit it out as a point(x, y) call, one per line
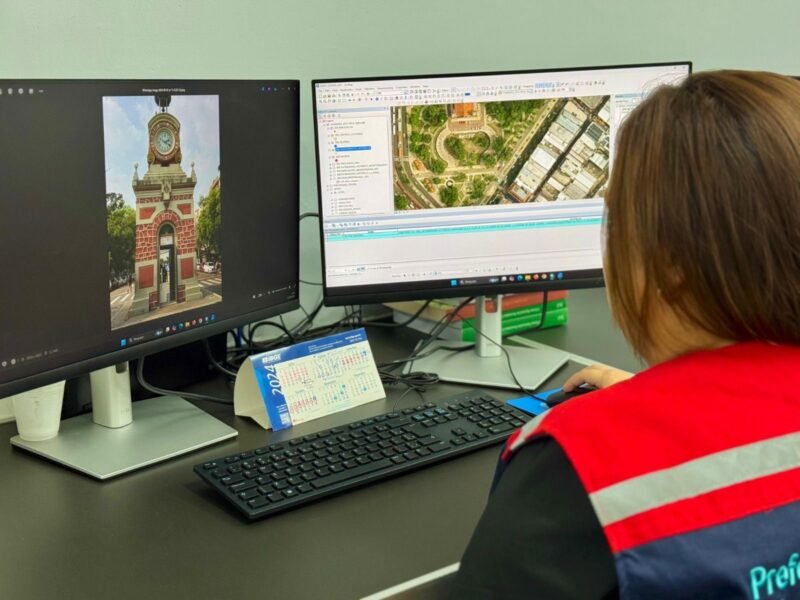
point(693, 470)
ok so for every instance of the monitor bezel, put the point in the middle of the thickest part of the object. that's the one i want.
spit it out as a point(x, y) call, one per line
point(186, 336)
point(389, 292)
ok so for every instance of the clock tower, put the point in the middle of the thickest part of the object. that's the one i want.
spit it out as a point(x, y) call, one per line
point(165, 235)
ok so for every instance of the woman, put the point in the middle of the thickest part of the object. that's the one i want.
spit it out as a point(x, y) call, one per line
point(684, 480)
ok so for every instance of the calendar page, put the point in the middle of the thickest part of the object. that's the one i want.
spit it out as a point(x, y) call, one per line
point(316, 378)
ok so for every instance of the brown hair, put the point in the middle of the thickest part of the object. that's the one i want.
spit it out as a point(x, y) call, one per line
point(703, 208)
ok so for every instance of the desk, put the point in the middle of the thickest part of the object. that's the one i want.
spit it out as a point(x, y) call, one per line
point(161, 532)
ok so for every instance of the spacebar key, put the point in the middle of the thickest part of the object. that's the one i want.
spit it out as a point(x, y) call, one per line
point(351, 473)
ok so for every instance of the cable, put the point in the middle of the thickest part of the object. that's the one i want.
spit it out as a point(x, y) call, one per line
point(408, 321)
point(254, 328)
point(417, 380)
point(437, 329)
point(217, 365)
point(525, 390)
point(162, 392)
point(433, 334)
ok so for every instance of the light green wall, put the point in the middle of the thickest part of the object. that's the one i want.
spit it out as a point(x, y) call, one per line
point(331, 38)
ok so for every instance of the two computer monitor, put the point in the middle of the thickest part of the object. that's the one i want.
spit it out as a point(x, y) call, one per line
point(140, 215)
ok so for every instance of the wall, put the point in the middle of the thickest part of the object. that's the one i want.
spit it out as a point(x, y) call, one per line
point(332, 38)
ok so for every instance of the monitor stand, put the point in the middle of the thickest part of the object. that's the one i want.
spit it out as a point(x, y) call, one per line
point(119, 436)
point(487, 364)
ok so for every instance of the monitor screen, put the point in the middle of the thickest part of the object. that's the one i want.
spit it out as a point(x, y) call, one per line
point(457, 185)
point(139, 215)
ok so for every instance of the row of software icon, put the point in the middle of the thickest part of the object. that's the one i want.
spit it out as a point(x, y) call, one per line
point(20, 91)
point(169, 329)
point(533, 277)
point(514, 278)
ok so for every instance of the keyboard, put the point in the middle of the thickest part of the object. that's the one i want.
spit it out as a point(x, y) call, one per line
point(277, 477)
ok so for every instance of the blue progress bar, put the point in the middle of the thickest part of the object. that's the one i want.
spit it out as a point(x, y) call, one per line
point(398, 233)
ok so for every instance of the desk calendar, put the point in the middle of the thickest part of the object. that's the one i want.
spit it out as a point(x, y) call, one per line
point(295, 384)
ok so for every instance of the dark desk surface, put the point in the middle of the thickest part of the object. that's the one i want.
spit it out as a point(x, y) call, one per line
point(161, 532)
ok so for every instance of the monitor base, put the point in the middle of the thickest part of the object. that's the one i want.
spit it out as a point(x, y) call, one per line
point(162, 428)
point(532, 367)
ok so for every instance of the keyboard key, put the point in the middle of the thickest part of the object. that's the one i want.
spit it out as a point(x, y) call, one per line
point(249, 494)
point(438, 447)
point(501, 428)
point(242, 486)
point(352, 473)
point(231, 479)
point(258, 502)
point(210, 465)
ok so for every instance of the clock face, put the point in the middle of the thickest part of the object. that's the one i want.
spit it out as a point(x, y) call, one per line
point(164, 141)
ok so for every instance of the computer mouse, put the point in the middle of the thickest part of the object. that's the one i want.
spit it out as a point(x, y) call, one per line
point(561, 396)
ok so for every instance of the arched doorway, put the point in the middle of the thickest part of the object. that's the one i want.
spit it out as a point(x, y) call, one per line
point(167, 265)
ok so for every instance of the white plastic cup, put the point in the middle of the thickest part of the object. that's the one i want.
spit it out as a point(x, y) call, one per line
point(38, 412)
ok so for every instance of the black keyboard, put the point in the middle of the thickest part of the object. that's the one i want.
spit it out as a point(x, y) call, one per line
point(277, 477)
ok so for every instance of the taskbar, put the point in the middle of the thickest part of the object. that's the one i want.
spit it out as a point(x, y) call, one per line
point(465, 286)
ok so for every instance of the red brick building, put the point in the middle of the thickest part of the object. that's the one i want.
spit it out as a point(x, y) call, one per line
point(165, 224)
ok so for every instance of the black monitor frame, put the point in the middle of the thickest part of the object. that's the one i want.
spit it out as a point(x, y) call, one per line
point(589, 278)
point(79, 367)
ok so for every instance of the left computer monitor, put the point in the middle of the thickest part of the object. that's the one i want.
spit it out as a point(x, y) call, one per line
point(140, 215)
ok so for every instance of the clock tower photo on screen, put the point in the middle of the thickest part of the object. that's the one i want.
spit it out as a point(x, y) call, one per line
point(163, 224)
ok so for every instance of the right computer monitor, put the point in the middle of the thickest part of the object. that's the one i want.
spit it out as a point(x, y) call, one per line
point(470, 185)
point(460, 185)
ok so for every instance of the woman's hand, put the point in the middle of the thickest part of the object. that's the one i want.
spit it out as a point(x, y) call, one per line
point(596, 376)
